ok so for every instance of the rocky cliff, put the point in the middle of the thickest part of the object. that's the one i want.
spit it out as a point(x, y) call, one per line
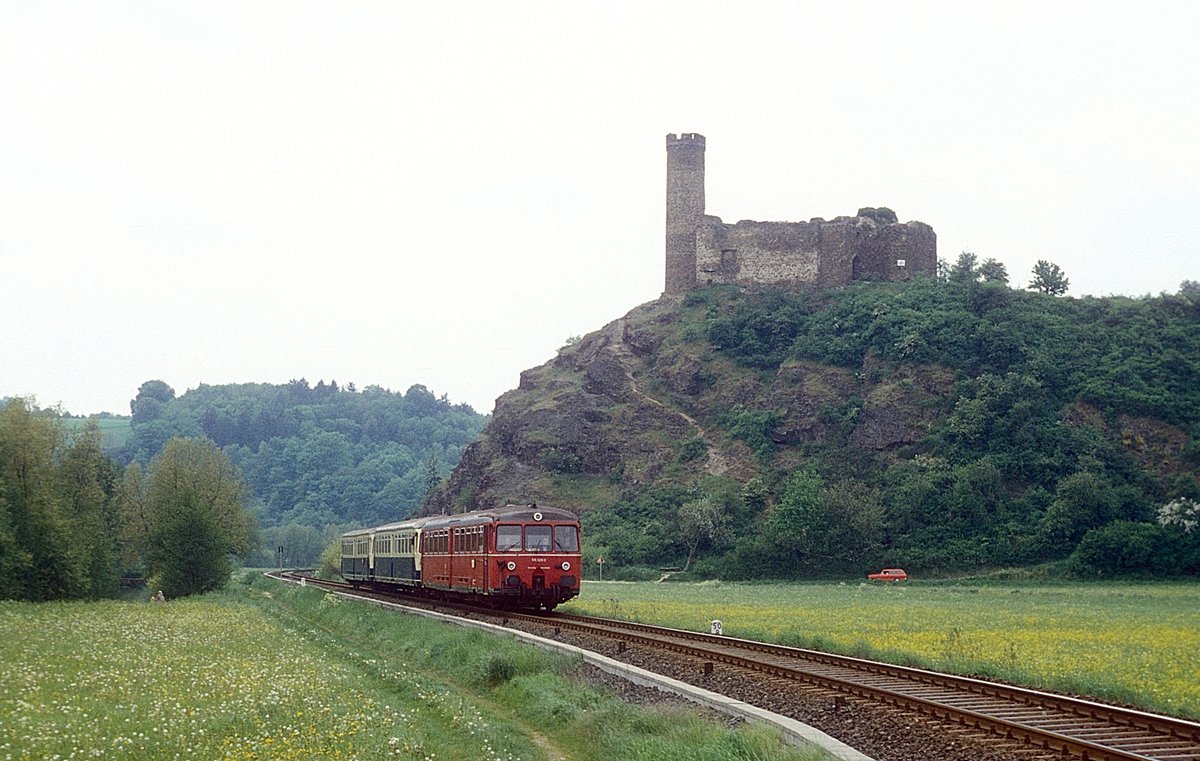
point(645, 401)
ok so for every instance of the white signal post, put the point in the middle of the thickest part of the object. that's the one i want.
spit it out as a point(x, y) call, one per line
point(600, 562)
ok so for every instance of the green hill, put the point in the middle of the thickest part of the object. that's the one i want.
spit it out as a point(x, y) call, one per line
point(315, 456)
point(942, 426)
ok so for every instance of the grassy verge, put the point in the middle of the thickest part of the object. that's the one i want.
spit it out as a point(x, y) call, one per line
point(267, 671)
point(1133, 643)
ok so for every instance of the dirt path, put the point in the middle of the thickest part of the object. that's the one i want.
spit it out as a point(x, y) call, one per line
point(718, 463)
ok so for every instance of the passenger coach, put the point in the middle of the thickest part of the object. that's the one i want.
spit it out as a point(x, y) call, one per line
point(515, 556)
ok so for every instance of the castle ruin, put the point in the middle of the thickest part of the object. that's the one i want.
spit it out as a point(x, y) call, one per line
point(701, 250)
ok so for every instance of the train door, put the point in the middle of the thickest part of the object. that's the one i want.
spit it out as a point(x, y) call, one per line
point(458, 563)
point(417, 554)
point(371, 556)
point(478, 560)
point(487, 574)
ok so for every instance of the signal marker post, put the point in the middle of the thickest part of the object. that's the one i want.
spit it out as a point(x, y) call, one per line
point(600, 562)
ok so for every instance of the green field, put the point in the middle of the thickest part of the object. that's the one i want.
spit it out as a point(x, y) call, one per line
point(1135, 643)
point(270, 671)
point(114, 431)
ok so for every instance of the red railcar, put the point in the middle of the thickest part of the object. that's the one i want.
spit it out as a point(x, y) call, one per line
point(516, 556)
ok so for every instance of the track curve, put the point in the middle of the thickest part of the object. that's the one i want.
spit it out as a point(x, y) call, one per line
point(1056, 725)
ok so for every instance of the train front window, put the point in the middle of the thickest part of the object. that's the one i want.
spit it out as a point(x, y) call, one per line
point(508, 539)
point(537, 538)
point(566, 539)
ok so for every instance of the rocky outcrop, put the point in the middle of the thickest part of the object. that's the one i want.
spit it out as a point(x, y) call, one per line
point(644, 401)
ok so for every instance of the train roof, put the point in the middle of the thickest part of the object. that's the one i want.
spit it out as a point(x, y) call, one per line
point(494, 515)
point(506, 513)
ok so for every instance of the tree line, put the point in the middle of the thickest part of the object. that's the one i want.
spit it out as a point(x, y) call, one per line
point(317, 459)
point(72, 522)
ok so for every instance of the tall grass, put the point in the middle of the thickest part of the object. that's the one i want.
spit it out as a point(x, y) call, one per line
point(1134, 643)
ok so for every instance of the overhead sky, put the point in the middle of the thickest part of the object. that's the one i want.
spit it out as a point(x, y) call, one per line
point(390, 193)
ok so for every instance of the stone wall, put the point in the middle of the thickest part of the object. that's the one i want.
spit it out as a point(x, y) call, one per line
point(815, 253)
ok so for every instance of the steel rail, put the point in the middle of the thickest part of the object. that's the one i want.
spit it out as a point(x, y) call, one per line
point(1063, 725)
point(1084, 729)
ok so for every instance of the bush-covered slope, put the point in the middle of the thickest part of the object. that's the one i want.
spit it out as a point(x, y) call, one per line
point(939, 425)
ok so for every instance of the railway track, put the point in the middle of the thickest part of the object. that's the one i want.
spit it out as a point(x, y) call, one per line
point(1049, 725)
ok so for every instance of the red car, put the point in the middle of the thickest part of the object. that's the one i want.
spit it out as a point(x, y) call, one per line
point(889, 574)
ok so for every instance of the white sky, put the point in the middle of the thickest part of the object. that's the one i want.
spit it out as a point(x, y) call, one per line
point(442, 193)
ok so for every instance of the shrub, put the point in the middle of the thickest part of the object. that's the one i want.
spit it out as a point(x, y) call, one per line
point(1124, 548)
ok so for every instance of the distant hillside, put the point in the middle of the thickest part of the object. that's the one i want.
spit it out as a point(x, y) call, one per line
point(315, 456)
point(939, 425)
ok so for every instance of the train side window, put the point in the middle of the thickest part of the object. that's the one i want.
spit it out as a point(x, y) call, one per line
point(537, 538)
point(566, 539)
point(508, 539)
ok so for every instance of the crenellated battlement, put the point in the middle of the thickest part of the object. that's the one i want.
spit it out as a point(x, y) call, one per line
point(686, 138)
point(702, 250)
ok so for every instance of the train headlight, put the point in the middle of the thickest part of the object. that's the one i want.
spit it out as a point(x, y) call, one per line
point(511, 566)
point(566, 566)
point(537, 516)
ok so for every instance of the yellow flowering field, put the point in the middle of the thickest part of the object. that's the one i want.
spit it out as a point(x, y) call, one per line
point(1137, 643)
point(208, 679)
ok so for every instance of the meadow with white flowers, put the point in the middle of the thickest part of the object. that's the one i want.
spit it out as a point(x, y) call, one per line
point(268, 671)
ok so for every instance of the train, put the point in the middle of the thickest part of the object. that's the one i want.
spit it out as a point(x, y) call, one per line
point(517, 556)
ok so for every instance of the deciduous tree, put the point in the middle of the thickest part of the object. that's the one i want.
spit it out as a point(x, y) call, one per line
point(992, 271)
point(966, 269)
point(28, 448)
point(700, 520)
point(86, 478)
point(1048, 278)
point(195, 520)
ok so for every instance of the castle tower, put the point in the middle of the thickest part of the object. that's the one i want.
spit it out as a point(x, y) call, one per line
point(685, 208)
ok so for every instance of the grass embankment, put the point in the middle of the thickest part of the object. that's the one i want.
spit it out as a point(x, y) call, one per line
point(268, 671)
point(1133, 643)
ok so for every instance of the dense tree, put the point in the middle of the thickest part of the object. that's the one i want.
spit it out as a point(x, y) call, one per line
point(797, 528)
point(700, 521)
point(192, 504)
point(28, 448)
point(857, 525)
point(1048, 278)
point(1123, 548)
point(58, 524)
point(151, 397)
point(87, 478)
point(966, 269)
point(992, 271)
point(15, 560)
point(1083, 501)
